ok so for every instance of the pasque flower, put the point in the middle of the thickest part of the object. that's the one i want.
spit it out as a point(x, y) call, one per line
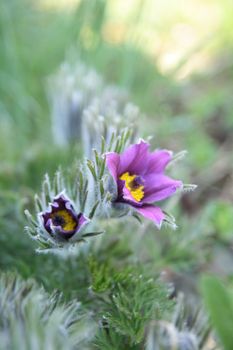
point(139, 176)
point(61, 219)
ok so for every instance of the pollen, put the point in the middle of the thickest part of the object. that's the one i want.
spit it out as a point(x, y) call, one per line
point(134, 186)
point(64, 219)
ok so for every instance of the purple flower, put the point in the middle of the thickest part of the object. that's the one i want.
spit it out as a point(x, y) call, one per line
point(61, 219)
point(139, 176)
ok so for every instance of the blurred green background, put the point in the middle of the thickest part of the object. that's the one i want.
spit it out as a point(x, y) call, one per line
point(175, 58)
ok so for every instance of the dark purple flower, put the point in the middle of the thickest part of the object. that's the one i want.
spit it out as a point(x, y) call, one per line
point(139, 176)
point(61, 219)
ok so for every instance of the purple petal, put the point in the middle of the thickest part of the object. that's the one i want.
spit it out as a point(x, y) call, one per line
point(158, 161)
point(152, 213)
point(128, 197)
point(159, 187)
point(52, 224)
point(54, 205)
point(82, 221)
point(64, 234)
point(113, 161)
point(134, 159)
point(47, 225)
point(60, 199)
point(69, 206)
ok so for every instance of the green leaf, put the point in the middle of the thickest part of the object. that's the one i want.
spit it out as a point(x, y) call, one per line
point(102, 167)
point(92, 212)
point(91, 234)
point(102, 144)
point(92, 169)
point(219, 304)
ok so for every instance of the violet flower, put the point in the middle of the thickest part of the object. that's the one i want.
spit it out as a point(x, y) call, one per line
point(61, 219)
point(139, 176)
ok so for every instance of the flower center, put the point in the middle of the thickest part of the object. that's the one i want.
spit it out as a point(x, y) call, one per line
point(64, 219)
point(134, 184)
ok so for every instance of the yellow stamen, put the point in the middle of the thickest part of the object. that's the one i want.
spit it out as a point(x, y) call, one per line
point(68, 222)
point(135, 190)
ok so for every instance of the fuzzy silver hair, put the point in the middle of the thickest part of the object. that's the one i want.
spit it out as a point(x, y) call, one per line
point(82, 105)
